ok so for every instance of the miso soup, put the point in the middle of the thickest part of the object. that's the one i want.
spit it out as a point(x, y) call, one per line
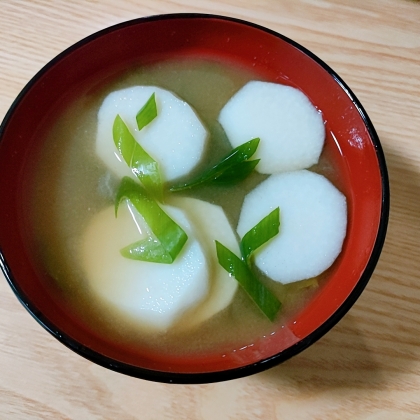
point(71, 184)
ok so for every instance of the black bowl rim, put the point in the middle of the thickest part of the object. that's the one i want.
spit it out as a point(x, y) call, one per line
point(217, 376)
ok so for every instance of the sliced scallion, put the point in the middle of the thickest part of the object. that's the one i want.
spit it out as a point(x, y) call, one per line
point(140, 162)
point(237, 172)
point(233, 167)
point(147, 113)
point(261, 233)
point(240, 268)
point(148, 249)
point(170, 237)
point(261, 295)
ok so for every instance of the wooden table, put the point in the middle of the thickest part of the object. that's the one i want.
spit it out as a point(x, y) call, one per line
point(368, 366)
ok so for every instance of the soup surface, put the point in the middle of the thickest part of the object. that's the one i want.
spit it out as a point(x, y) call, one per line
point(71, 184)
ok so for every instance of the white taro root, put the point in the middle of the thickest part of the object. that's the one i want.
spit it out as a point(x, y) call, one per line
point(176, 138)
point(210, 223)
point(313, 220)
point(154, 294)
point(291, 129)
point(189, 291)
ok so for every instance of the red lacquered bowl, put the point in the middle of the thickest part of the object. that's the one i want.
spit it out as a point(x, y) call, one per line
point(351, 141)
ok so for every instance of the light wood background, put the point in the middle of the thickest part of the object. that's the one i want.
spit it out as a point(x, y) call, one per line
point(368, 366)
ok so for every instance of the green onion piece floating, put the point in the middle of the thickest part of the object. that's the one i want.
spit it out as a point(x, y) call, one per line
point(148, 113)
point(265, 300)
point(228, 166)
point(148, 249)
point(237, 172)
point(170, 237)
point(140, 162)
point(262, 232)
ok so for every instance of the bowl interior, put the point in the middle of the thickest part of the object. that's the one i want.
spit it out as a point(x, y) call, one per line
point(351, 143)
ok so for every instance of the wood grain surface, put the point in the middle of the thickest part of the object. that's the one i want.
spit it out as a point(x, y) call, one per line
point(368, 366)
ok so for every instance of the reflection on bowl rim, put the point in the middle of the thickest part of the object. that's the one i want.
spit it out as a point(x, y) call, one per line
point(208, 377)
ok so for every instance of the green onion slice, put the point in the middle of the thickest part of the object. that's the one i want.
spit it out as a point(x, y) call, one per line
point(148, 113)
point(170, 237)
point(233, 166)
point(262, 232)
point(265, 300)
point(140, 162)
point(148, 249)
point(237, 172)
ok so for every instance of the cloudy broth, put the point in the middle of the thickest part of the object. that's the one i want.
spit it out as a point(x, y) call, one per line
point(71, 184)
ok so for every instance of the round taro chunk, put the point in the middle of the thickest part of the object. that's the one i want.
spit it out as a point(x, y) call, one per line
point(153, 294)
point(210, 224)
point(176, 138)
point(313, 220)
point(291, 129)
